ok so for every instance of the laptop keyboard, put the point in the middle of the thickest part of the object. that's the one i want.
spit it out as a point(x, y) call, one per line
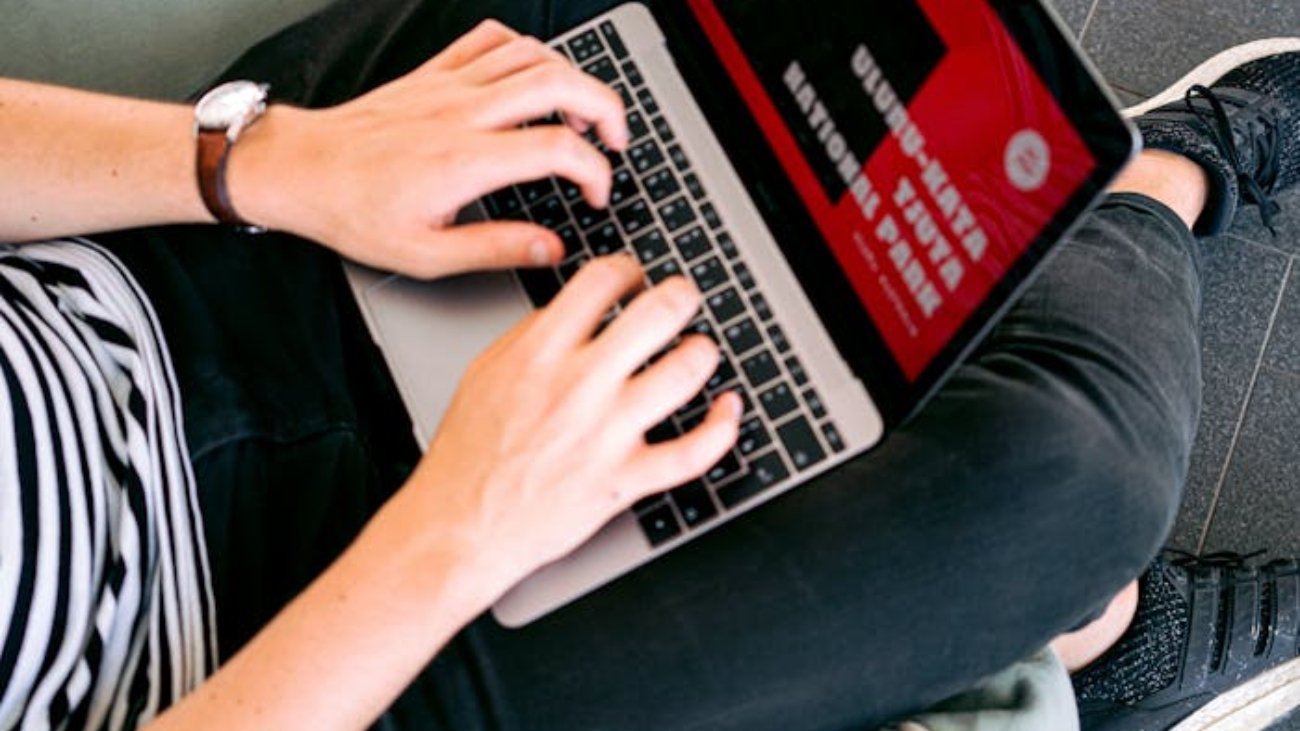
point(660, 211)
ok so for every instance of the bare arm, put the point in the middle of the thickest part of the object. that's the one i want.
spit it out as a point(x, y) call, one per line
point(379, 179)
point(542, 445)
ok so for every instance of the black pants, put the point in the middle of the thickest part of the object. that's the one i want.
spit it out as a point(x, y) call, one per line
point(1036, 484)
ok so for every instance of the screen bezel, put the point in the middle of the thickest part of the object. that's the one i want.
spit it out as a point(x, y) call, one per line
point(1065, 72)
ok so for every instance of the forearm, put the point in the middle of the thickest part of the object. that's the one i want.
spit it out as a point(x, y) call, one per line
point(73, 162)
point(345, 648)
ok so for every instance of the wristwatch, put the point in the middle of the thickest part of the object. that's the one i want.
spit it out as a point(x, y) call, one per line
point(220, 117)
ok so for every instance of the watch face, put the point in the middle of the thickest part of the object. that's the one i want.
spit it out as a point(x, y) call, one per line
point(228, 104)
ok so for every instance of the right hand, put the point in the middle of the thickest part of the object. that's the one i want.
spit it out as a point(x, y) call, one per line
point(545, 440)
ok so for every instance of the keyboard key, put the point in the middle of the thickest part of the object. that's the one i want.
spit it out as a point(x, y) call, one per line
point(661, 184)
point(693, 185)
point(800, 443)
point(833, 437)
point(694, 503)
point(760, 369)
point(623, 93)
point(663, 270)
point(691, 421)
point(764, 472)
point(506, 203)
point(571, 267)
point(678, 157)
point(693, 244)
point(797, 372)
point(572, 241)
point(677, 213)
point(663, 130)
point(585, 46)
point(650, 246)
point(710, 216)
point(709, 274)
point(541, 285)
point(605, 240)
point(645, 156)
point(662, 432)
point(536, 190)
point(648, 503)
point(727, 245)
point(778, 401)
point(753, 436)
point(633, 74)
point(635, 217)
point(724, 374)
point(624, 187)
point(744, 276)
point(569, 191)
point(701, 326)
point(603, 69)
point(660, 524)
point(761, 308)
point(636, 126)
point(550, 213)
point(586, 216)
point(725, 305)
point(778, 339)
point(814, 403)
point(647, 101)
point(743, 336)
point(613, 39)
point(727, 468)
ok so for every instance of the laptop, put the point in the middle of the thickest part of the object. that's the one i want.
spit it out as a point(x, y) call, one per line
point(858, 190)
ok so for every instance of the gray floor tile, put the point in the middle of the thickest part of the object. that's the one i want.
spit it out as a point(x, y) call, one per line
point(1259, 506)
point(1144, 46)
point(1073, 12)
point(1240, 283)
point(1249, 225)
point(1283, 351)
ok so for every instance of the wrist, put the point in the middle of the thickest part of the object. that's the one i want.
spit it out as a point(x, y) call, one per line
point(261, 166)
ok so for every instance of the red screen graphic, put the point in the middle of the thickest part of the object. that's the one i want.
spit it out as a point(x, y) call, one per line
point(973, 168)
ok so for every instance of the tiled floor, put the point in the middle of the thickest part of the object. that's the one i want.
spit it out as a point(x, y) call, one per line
point(1243, 490)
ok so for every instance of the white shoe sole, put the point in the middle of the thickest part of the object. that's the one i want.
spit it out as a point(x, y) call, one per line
point(1251, 706)
point(1213, 69)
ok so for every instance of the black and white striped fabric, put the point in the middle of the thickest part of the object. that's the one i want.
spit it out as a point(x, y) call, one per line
point(106, 613)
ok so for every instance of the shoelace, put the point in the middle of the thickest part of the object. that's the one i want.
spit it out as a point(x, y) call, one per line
point(1266, 152)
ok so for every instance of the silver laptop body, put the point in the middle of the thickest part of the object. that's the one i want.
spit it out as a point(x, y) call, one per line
point(429, 331)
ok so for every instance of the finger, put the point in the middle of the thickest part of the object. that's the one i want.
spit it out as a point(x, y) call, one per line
point(647, 325)
point(484, 246)
point(671, 381)
point(578, 309)
point(478, 41)
point(521, 52)
point(514, 156)
point(656, 467)
point(549, 87)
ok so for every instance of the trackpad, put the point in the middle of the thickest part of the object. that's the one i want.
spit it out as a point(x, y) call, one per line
point(430, 331)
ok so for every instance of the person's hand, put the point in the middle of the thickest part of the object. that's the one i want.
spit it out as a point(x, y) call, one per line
point(545, 439)
point(380, 178)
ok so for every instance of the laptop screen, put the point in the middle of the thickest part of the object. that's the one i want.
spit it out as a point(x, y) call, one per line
point(932, 155)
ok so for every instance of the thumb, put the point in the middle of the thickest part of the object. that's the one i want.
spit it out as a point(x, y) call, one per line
point(489, 245)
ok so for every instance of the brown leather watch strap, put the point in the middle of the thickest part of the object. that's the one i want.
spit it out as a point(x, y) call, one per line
point(213, 152)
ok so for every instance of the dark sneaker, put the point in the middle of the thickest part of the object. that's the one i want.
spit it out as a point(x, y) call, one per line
point(1238, 115)
point(1215, 646)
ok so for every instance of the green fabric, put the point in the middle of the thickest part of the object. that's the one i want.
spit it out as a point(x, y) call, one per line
point(1032, 695)
point(154, 48)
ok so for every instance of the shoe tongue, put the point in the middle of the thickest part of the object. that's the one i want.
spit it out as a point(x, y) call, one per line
point(1146, 658)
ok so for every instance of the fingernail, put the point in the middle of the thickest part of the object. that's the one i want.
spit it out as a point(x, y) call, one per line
point(539, 252)
point(737, 405)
